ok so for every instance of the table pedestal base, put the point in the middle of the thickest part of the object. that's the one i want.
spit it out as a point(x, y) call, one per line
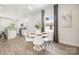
point(38, 47)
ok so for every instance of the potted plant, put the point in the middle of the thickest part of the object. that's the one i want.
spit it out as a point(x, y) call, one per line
point(38, 27)
point(12, 26)
point(47, 18)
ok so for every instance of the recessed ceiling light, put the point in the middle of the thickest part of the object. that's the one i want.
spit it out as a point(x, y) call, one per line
point(30, 7)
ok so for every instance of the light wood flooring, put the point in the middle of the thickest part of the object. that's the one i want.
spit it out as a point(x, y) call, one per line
point(19, 46)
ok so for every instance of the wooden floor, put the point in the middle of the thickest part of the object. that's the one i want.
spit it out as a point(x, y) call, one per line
point(19, 46)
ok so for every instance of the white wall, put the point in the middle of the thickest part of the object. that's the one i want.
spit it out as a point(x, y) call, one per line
point(36, 16)
point(69, 35)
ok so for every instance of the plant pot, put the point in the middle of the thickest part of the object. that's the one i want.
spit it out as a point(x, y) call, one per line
point(38, 31)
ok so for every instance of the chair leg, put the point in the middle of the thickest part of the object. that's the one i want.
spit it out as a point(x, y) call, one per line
point(5, 35)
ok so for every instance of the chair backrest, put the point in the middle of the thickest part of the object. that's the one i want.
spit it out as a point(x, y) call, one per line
point(38, 40)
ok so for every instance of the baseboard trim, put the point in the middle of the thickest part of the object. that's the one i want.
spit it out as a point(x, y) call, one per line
point(70, 43)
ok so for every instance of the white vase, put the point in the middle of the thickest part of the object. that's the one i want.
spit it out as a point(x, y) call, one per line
point(38, 31)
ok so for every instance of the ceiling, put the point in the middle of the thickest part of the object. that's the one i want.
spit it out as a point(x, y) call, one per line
point(19, 10)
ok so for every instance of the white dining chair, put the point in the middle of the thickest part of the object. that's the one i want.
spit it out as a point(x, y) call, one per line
point(38, 42)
